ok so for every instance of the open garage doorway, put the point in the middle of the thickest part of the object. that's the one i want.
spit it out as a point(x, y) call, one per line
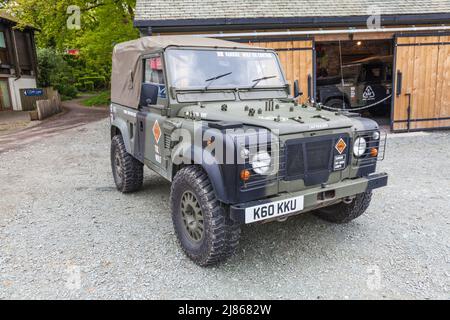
point(356, 75)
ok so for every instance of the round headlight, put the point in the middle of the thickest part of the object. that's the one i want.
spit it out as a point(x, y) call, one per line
point(376, 135)
point(261, 162)
point(359, 147)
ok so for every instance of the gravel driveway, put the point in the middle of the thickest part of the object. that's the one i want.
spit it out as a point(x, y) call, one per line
point(65, 232)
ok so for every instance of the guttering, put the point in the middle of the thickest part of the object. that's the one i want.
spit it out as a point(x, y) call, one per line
point(222, 24)
point(257, 34)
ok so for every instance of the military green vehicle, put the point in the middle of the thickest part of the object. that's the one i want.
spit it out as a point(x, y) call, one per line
point(218, 120)
point(366, 83)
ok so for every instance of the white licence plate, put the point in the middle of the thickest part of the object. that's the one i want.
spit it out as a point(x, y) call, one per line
point(273, 209)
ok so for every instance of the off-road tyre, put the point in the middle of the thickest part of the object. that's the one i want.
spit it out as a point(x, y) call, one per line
point(343, 213)
point(336, 104)
point(220, 236)
point(128, 172)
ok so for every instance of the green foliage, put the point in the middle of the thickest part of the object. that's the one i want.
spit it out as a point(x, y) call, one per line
point(52, 67)
point(102, 99)
point(103, 24)
point(67, 91)
point(88, 85)
point(98, 82)
point(55, 72)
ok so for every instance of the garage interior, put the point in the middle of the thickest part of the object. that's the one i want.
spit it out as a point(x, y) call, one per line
point(353, 62)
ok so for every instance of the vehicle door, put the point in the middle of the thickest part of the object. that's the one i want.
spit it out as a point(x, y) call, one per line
point(153, 112)
point(369, 89)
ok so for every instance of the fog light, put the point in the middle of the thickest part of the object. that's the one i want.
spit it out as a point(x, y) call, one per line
point(245, 175)
point(373, 152)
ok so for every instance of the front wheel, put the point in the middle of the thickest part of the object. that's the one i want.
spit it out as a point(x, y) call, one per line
point(342, 212)
point(204, 229)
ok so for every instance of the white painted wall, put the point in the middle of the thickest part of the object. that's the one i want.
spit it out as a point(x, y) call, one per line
point(25, 82)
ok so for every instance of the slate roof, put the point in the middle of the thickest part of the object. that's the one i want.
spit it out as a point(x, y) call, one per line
point(147, 10)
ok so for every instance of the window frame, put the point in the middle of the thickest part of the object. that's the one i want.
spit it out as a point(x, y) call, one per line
point(279, 65)
point(160, 100)
point(6, 50)
point(144, 61)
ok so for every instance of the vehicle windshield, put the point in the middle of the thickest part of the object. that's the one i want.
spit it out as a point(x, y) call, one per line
point(208, 69)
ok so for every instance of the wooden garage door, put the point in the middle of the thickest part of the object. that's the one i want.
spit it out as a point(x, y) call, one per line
point(297, 58)
point(422, 99)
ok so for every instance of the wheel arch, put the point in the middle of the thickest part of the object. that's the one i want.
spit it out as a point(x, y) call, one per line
point(120, 127)
point(194, 155)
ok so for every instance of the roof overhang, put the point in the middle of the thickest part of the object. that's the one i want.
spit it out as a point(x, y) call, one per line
point(189, 25)
point(12, 21)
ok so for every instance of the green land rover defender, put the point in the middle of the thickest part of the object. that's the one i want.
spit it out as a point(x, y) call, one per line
point(219, 120)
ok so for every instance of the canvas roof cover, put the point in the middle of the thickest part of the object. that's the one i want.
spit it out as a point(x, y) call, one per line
point(127, 70)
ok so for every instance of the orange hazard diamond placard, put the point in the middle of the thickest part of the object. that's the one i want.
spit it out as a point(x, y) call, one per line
point(341, 145)
point(156, 131)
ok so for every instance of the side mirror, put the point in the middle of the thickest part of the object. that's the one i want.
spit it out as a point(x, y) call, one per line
point(297, 92)
point(149, 94)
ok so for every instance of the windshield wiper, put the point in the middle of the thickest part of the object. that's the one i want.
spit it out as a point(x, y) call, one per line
point(256, 81)
point(215, 78)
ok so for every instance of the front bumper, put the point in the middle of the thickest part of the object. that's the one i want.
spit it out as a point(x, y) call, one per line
point(318, 197)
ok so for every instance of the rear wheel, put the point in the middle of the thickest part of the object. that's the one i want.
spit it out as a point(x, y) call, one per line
point(204, 229)
point(128, 172)
point(343, 213)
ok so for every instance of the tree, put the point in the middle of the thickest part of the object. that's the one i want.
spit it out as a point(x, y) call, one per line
point(103, 24)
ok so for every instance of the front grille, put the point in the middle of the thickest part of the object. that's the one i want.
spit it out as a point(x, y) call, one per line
point(167, 141)
point(295, 151)
point(311, 159)
point(318, 155)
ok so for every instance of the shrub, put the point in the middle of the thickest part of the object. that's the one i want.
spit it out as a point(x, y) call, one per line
point(67, 91)
point(102, 99)
point(98, 81)
point(88, 85)
point(52, 67)
point(79, 86)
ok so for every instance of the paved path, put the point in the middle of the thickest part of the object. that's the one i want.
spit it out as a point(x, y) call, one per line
point(74, 115)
